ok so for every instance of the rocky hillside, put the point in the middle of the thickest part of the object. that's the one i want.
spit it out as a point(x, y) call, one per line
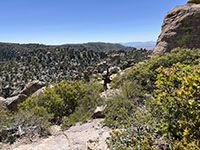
point(53, 64)
point(152, 105)
point(180, 28)
point(10, 50)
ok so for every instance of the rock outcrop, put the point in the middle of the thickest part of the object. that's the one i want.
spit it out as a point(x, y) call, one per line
point(32, 87)
point(88, 136)
point(35, 87)
point(12, 102)
point(194, 1)
point(181, 28)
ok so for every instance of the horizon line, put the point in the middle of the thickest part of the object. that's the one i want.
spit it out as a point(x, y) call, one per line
point(26, 43)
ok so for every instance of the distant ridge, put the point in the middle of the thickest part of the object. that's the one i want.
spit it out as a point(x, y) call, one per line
point(148, 45)
point(98, 46)
point(10, 50)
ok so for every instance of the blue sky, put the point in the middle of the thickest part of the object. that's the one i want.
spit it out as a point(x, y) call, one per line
point(79, 21)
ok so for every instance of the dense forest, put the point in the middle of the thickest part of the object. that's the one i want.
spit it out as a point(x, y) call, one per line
point(10, 50)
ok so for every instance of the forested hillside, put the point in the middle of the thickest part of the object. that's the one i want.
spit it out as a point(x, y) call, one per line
point(10, 50)
point(24, 63)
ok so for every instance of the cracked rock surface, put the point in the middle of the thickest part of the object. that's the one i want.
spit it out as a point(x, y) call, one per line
point(86, 136)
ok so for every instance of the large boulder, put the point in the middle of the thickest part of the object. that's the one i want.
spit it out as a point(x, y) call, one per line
point(194, 1)
point(12, 102)
point(32, 87)
point(181, 28)
point(38, 92)
point(35, 87)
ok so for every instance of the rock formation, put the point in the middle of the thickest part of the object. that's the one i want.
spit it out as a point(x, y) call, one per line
point(91, 135)
point(194, 1)
point(181, 28)
point(54, 64)
point(12, 102)
point(31, 88)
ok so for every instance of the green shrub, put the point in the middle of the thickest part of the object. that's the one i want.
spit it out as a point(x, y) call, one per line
point(177, 97)
point(25, 123)
point(122, 140)
point(118, 112)
point(86, 105)
point(139, 133)
point(131, 90)
point(5, 118)
point(143, 75)
point(169, 119)
point(73, 100)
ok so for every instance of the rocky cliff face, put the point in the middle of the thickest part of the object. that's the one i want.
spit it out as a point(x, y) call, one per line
point(194, 1)
point(181, 28)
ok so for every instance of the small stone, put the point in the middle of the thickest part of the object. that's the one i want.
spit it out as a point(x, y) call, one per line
point(98, 113)
point(2, 99)
point(55, 130)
